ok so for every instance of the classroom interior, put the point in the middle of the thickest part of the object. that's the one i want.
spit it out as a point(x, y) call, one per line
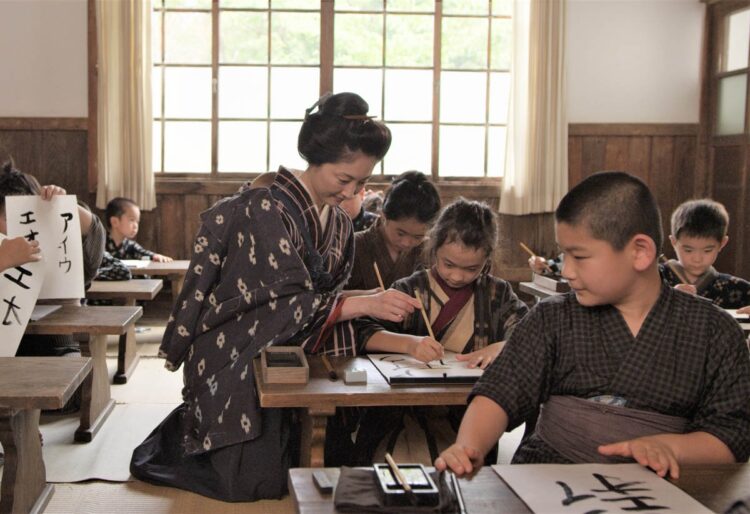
point(642, 85)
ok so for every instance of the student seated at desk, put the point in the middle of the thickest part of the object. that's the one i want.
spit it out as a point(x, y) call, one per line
point(13, 183)
point(699, 233)
point(17, 251)
point(471, 312)
point(361, 219)
point(624, 367)
point(123, 217)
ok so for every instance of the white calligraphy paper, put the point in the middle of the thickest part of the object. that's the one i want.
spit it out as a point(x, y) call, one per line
point(19, 289)
point(54, 223)
point(398, 368)
point(581, 488)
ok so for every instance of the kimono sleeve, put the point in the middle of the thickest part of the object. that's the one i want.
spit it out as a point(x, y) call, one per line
point(725, 404)
point(367, 326)
point(508, 310)
point(112, 268)
point(137, 251)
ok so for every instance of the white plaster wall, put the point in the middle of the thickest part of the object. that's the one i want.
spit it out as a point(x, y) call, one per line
point(634, 61)
point(43, 58)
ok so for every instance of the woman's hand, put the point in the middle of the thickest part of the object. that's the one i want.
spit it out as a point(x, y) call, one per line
point(483, 357)
point(391, 305)
point(51, 190)
point(426, 349)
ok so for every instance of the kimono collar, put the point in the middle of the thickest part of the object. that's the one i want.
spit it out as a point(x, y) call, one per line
point(451, 291)
point(289, 184)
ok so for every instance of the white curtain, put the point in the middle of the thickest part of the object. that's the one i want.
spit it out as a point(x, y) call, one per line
point(124, 102)
point(536, 159)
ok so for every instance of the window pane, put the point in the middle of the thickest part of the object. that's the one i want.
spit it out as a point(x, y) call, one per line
point(187, 146)
point(292, 91)
point(408, 95)
point(295, 38)
point(295, 4)
point(737, 40)
point(156, 146)
point(242, 146)
point(461, 151)
point(191, 4)
point(465, 6)
point(156, 3)
point(463, 96)
point(411, 5)
point(411, 149)
point(464, 43)
point(502, 32)
point(284, 145)
point(358, 5)
point(187, 92)
point(156, 92)
point(499, 97)
point(502, 7)
point(256, 4)
point(366, 83)
point(409, 40)
point(731, 111)
point(358, 39)
point(243, 92)
point(242, 37)
point(496, 152)
point(188, 37)
point(156, 36)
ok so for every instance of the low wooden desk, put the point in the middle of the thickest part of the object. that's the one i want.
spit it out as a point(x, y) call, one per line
point(97, 322)
point(319, 398)
point(174, 271)
point(715, 486)
point(125, 292)
point(27, 385)
point(536, 290)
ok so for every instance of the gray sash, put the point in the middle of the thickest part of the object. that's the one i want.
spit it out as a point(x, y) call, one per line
point(575, 427)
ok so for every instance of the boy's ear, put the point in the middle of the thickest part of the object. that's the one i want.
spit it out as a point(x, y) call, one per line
point(644, 251)
point(673, 240)
point(724, 242)
point(114, 221)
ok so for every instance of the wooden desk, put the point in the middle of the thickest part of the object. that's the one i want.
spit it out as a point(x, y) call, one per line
point(536, 290)
point(715, 486)
point(174, 271)
point(319, 398)
point(27, 385)
point(97, 322)
point(125, 292)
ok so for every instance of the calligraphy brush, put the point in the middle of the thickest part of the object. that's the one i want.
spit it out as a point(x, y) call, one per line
point(675, 270)
point(530, 252)
point(426, 319)
point(377, 273)
point(401, 479)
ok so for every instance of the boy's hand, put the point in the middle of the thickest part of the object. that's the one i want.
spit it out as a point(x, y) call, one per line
point(686, 288)
point(483, 357)
point(537, 264)
point(648, 451)
point(51, 190)
point(744, 310)
point(161, 258)
point(17, 251)
point(460, 459)
point(426, 349)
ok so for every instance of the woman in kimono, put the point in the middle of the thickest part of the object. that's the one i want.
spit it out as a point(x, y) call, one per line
point(268, 267)
point(471, 312)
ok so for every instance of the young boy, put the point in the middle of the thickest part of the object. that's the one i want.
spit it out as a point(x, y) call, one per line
point(699, 232)
point(122, 216)
point(623, 366)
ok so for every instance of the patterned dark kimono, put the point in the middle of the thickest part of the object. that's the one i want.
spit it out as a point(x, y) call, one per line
point(264, 272)
point(128, 249)
point(689, 359)
point(488, 317)
point(723, 289)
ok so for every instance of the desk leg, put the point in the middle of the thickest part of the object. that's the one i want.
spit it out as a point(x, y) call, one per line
point(24, 486)
point(176, 281)
point(314, 422)
point(97, 402)
point(127, 354)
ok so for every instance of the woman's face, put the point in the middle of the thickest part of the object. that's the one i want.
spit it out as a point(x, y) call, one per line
point(332, 183)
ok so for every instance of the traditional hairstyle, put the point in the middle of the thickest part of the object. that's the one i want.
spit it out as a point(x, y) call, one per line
point(473, 224)
point(700, 218)
point(116, 208)
point(614, 206)
point(411, 195)
point(14, 182)
point(339, 128)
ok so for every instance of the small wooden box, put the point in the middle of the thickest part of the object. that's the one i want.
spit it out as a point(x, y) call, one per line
point(284, 365)
point(558, 285)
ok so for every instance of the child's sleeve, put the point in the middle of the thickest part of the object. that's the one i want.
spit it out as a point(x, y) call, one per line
point(367, 326)
point(136, 251)
point(112, 269)
point(508, 311)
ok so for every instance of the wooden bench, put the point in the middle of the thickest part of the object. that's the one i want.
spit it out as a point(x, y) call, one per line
point(98, 323)
point(174, 271)
point(125, 292)
point(27, 385)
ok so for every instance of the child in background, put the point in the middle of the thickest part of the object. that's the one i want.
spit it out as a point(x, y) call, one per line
point(361, 219)
point(18, 251)
point(123, 216)
point(699, 233)
point(624, 367)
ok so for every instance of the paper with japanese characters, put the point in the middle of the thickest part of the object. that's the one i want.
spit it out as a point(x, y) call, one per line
point(19, 288)
point(600, 488)
point(54, 223)
point(398, 368)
